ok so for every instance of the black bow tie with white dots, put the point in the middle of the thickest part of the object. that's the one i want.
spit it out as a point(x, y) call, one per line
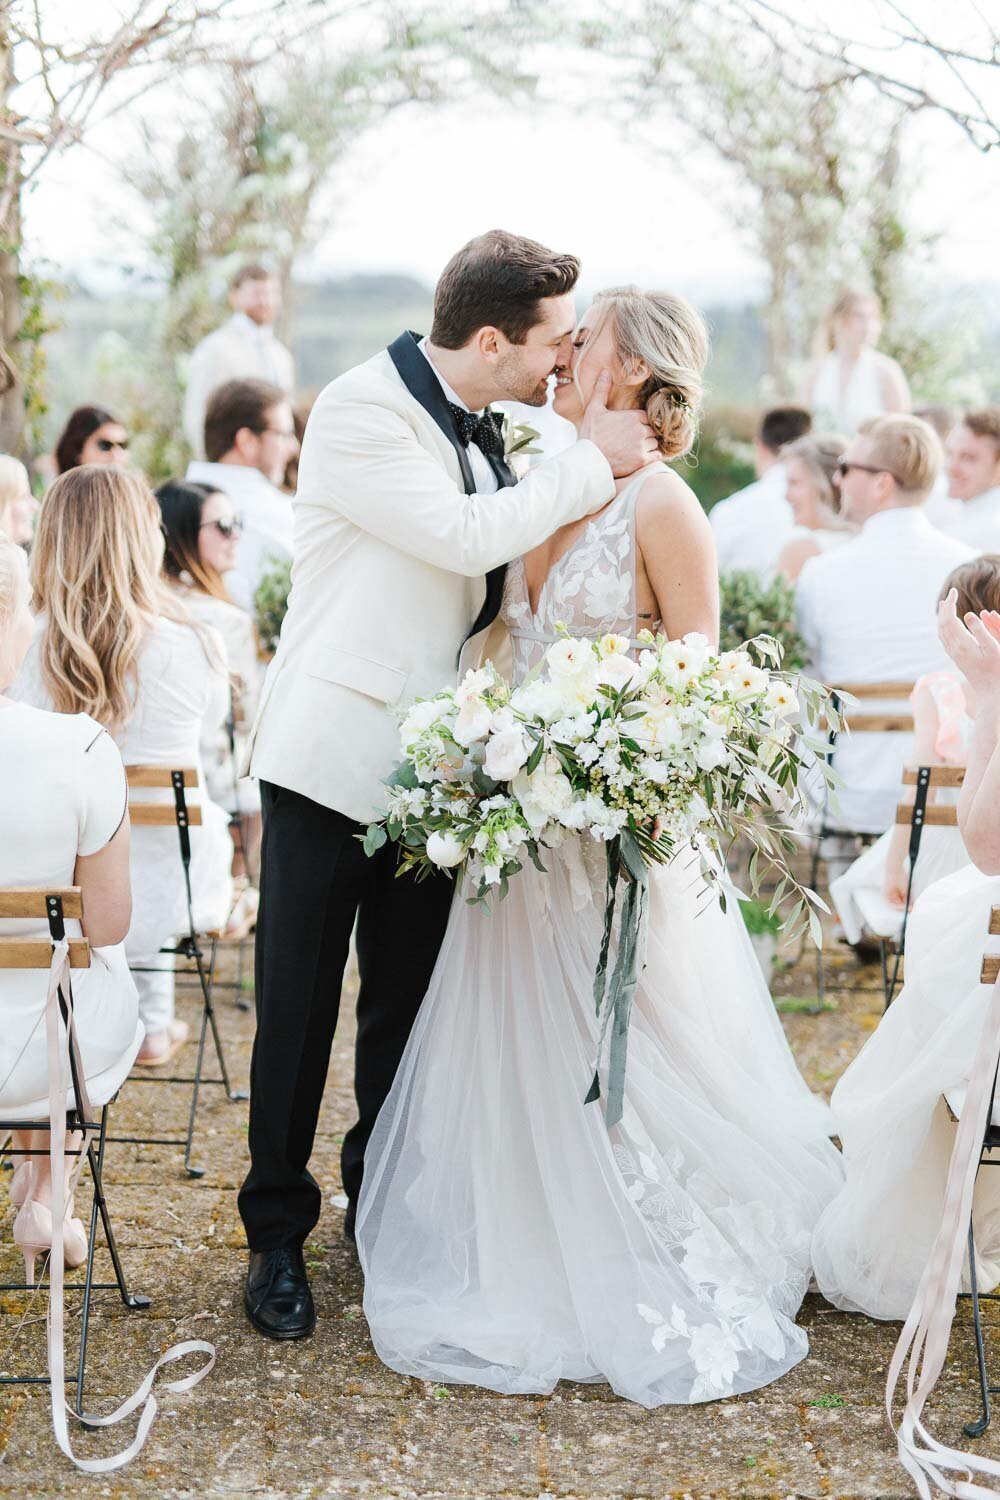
point(485, 430)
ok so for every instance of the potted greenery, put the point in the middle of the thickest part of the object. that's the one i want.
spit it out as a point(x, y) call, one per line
point(270, 601)
point(763, 927)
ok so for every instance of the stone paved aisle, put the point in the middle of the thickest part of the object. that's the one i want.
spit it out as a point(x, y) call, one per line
point(324, 1418)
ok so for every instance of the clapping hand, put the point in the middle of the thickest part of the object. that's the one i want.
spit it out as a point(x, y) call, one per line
point(973, 645)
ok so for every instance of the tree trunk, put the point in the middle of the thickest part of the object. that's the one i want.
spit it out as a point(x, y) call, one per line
point(12, 394)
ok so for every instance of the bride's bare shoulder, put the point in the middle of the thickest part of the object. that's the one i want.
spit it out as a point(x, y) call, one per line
point(665, 500)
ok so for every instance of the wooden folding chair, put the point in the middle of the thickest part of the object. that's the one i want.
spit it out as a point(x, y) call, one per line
point(888, 923)
point(988, 974)
point(861, 721)
point(182, 816)
point(36, 954)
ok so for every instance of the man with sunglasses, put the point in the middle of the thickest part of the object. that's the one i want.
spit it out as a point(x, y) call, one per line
point(868, 610)
point(249, 438)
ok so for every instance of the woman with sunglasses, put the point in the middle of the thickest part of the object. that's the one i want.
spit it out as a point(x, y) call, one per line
point(202, 533)
point(91, 436)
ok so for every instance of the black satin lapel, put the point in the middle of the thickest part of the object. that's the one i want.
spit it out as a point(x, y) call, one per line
point(418, 376)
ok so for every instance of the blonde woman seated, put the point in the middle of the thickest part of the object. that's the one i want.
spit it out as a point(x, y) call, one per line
point(811, 490)
point(63, 823)
point(202, 532)
point(18, 506)
point(871, 894)
point(850, 380)
point(113, 641)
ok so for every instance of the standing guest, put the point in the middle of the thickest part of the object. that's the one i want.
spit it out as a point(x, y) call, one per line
point(752, 526)
point(244, 348)
point(249, 439)
point(18, 506)
point(91, 436)
point(866, 609)
point(973, 451)
point(114, 642)
point(811, 484)
point(202, 536)
point(851, 381)
point(64, 823)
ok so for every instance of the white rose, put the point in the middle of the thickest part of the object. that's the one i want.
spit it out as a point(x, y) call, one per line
point(502, 719)
point(444, 850)
point(541, 700)
point(710, 754)
point(567, 658)
point(617, 671)
point(473, 722)
point(544, 794)
point(418, 718)
point(506, 753)
point(472, 686)
point(574, 816)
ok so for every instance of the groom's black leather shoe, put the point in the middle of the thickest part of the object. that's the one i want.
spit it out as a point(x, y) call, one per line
point(277, 1297)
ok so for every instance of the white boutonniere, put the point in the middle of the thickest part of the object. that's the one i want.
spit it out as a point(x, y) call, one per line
point(518, 438)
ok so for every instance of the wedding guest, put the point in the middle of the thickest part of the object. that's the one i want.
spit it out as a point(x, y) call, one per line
point(810, 465)
point(244, 348)
point(865, 609)
point(973, 452)
point(91, 436)
point(18, 506)
point(249, 439)
point(752, 526)
point(202, 538)
point(114, 642)
point(851, 381)
point(938, 508)
point(943, 708)
point(64, 823)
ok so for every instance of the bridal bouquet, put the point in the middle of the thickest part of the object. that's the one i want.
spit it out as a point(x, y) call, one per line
point(683, 746)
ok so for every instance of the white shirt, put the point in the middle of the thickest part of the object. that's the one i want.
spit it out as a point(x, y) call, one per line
point(240, 350)
point(752, 526)
point(485, 480)
point(868, 613)
point(977, 521)
point(268, 527)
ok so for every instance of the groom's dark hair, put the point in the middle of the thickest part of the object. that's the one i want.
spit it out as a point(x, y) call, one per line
point(497, 280)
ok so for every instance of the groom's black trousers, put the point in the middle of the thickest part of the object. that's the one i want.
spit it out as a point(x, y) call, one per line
point(315, 880)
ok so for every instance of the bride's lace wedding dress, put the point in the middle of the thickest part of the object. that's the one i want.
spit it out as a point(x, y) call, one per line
point(509, 1239)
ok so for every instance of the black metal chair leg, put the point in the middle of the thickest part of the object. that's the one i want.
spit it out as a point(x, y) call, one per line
point(976, 1429)
point(196, 1087)
point(134, 1301)
point(883, 956)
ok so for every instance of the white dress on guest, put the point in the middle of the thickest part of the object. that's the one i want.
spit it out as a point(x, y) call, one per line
point(511, 1239)
point(64, 797)
point(857, 894)
point(872, 1243)
point(840, 407)
point(181, 683)
point(236, 630)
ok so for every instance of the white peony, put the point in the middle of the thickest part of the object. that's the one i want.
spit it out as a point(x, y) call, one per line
point(418, 718)
point(473, 722)
point(506, 753)
point(544, 794)
point(444, 850)
point(541, 700)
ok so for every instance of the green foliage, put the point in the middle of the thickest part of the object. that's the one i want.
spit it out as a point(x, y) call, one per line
point(758, 919)
point(718, 467)
point(830, 1402)
point(749, 608)
point(270, 603)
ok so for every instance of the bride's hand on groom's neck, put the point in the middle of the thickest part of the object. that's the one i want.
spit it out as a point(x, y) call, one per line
point(624, 437)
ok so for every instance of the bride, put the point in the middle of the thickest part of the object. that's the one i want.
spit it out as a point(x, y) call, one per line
point(509, 1238)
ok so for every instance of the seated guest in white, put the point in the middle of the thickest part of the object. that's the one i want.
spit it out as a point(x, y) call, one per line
point(64, 822)
point(850, 381)
point(113, 641)
point(938, 508)
point(18, 506)
point(871, 894)
point(866, 609)
point(810, 465)
point(249, 438)
point(751, 526)
point(202, 533)
point(973, 452)
point(244, 348)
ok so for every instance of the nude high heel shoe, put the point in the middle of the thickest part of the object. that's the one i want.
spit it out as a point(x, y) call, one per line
point(33, 1236)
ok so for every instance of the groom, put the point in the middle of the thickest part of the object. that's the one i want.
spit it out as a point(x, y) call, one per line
point(405, 516)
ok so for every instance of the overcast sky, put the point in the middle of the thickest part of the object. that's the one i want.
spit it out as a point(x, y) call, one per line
point(415, 188)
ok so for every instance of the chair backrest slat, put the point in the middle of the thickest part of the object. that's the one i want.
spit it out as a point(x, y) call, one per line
point(939, 817)
point(36, 953)
point(152, 776)
point(863, 690)
point(160, 815)
point(994, 921)
point(27, 901)
point(951, 776)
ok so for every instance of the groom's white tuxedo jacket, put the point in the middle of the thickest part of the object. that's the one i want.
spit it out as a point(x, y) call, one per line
point(388, 573)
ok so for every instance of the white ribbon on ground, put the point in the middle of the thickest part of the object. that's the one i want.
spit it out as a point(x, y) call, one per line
point(59, 973)
point(923, 1343)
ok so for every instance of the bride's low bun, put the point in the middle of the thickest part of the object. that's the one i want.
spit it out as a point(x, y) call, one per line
point(670, 338)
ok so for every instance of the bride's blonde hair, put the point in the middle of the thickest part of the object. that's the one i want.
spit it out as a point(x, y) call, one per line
point(670, 337)
point(95, 572)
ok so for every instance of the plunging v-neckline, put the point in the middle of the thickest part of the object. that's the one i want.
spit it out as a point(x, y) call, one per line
point(535, 609)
